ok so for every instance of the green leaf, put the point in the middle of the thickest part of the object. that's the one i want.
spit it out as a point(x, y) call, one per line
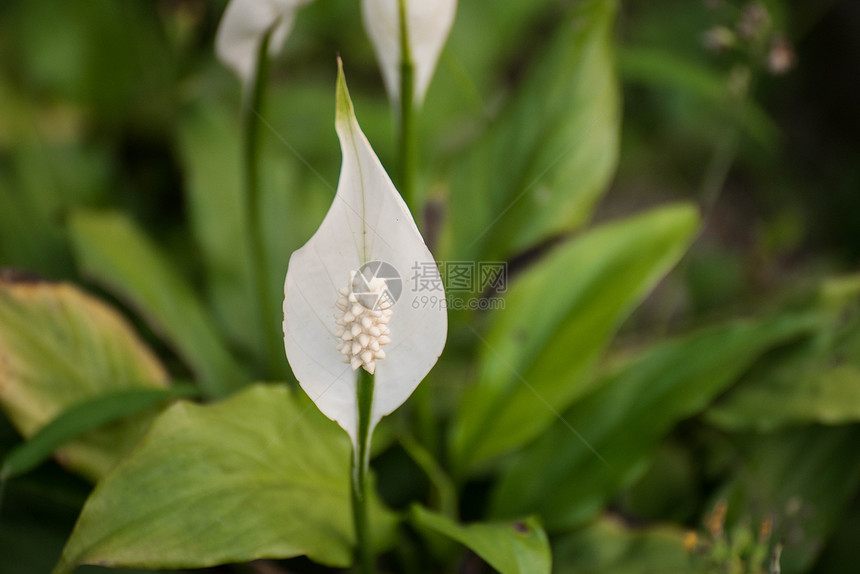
point(557, 318)
point(260, 475)
point(625, 417)
point(542, 166)
point(519, 547)
point(608, 545)
point(817, 381)
point(112, 250)
point(80, 418)
point(60, 348)
point(831, 396)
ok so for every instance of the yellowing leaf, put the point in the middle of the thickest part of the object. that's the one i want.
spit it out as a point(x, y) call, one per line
point(60, 347)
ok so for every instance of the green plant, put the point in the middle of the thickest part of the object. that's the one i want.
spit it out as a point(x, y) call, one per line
point(577, 420)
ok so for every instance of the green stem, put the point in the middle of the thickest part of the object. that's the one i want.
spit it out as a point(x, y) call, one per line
point(407, 113)
point(407, 174)
point(266, 320)
point(360, 465)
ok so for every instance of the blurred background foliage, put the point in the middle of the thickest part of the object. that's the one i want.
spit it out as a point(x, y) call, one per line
point(723, 413)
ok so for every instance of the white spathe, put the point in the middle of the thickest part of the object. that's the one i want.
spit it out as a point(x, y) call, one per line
point(367, 221)
point(428, 23)
point(243, 26)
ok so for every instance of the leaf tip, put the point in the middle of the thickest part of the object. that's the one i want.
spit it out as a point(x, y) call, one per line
point(344, 110)
point(691, 216)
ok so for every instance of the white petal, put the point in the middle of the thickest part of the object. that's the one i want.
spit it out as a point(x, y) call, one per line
point(367, 221)
point(243, 26)
point(428, 23)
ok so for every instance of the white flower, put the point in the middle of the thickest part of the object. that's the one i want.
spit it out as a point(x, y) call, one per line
point(243, 26)
point(357, 285)
point(245, 22)
point(428, 23)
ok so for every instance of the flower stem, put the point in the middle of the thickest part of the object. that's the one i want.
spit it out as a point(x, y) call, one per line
point(407, 173)
point(360, 465)
point(407, 113)
point(267, 320)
